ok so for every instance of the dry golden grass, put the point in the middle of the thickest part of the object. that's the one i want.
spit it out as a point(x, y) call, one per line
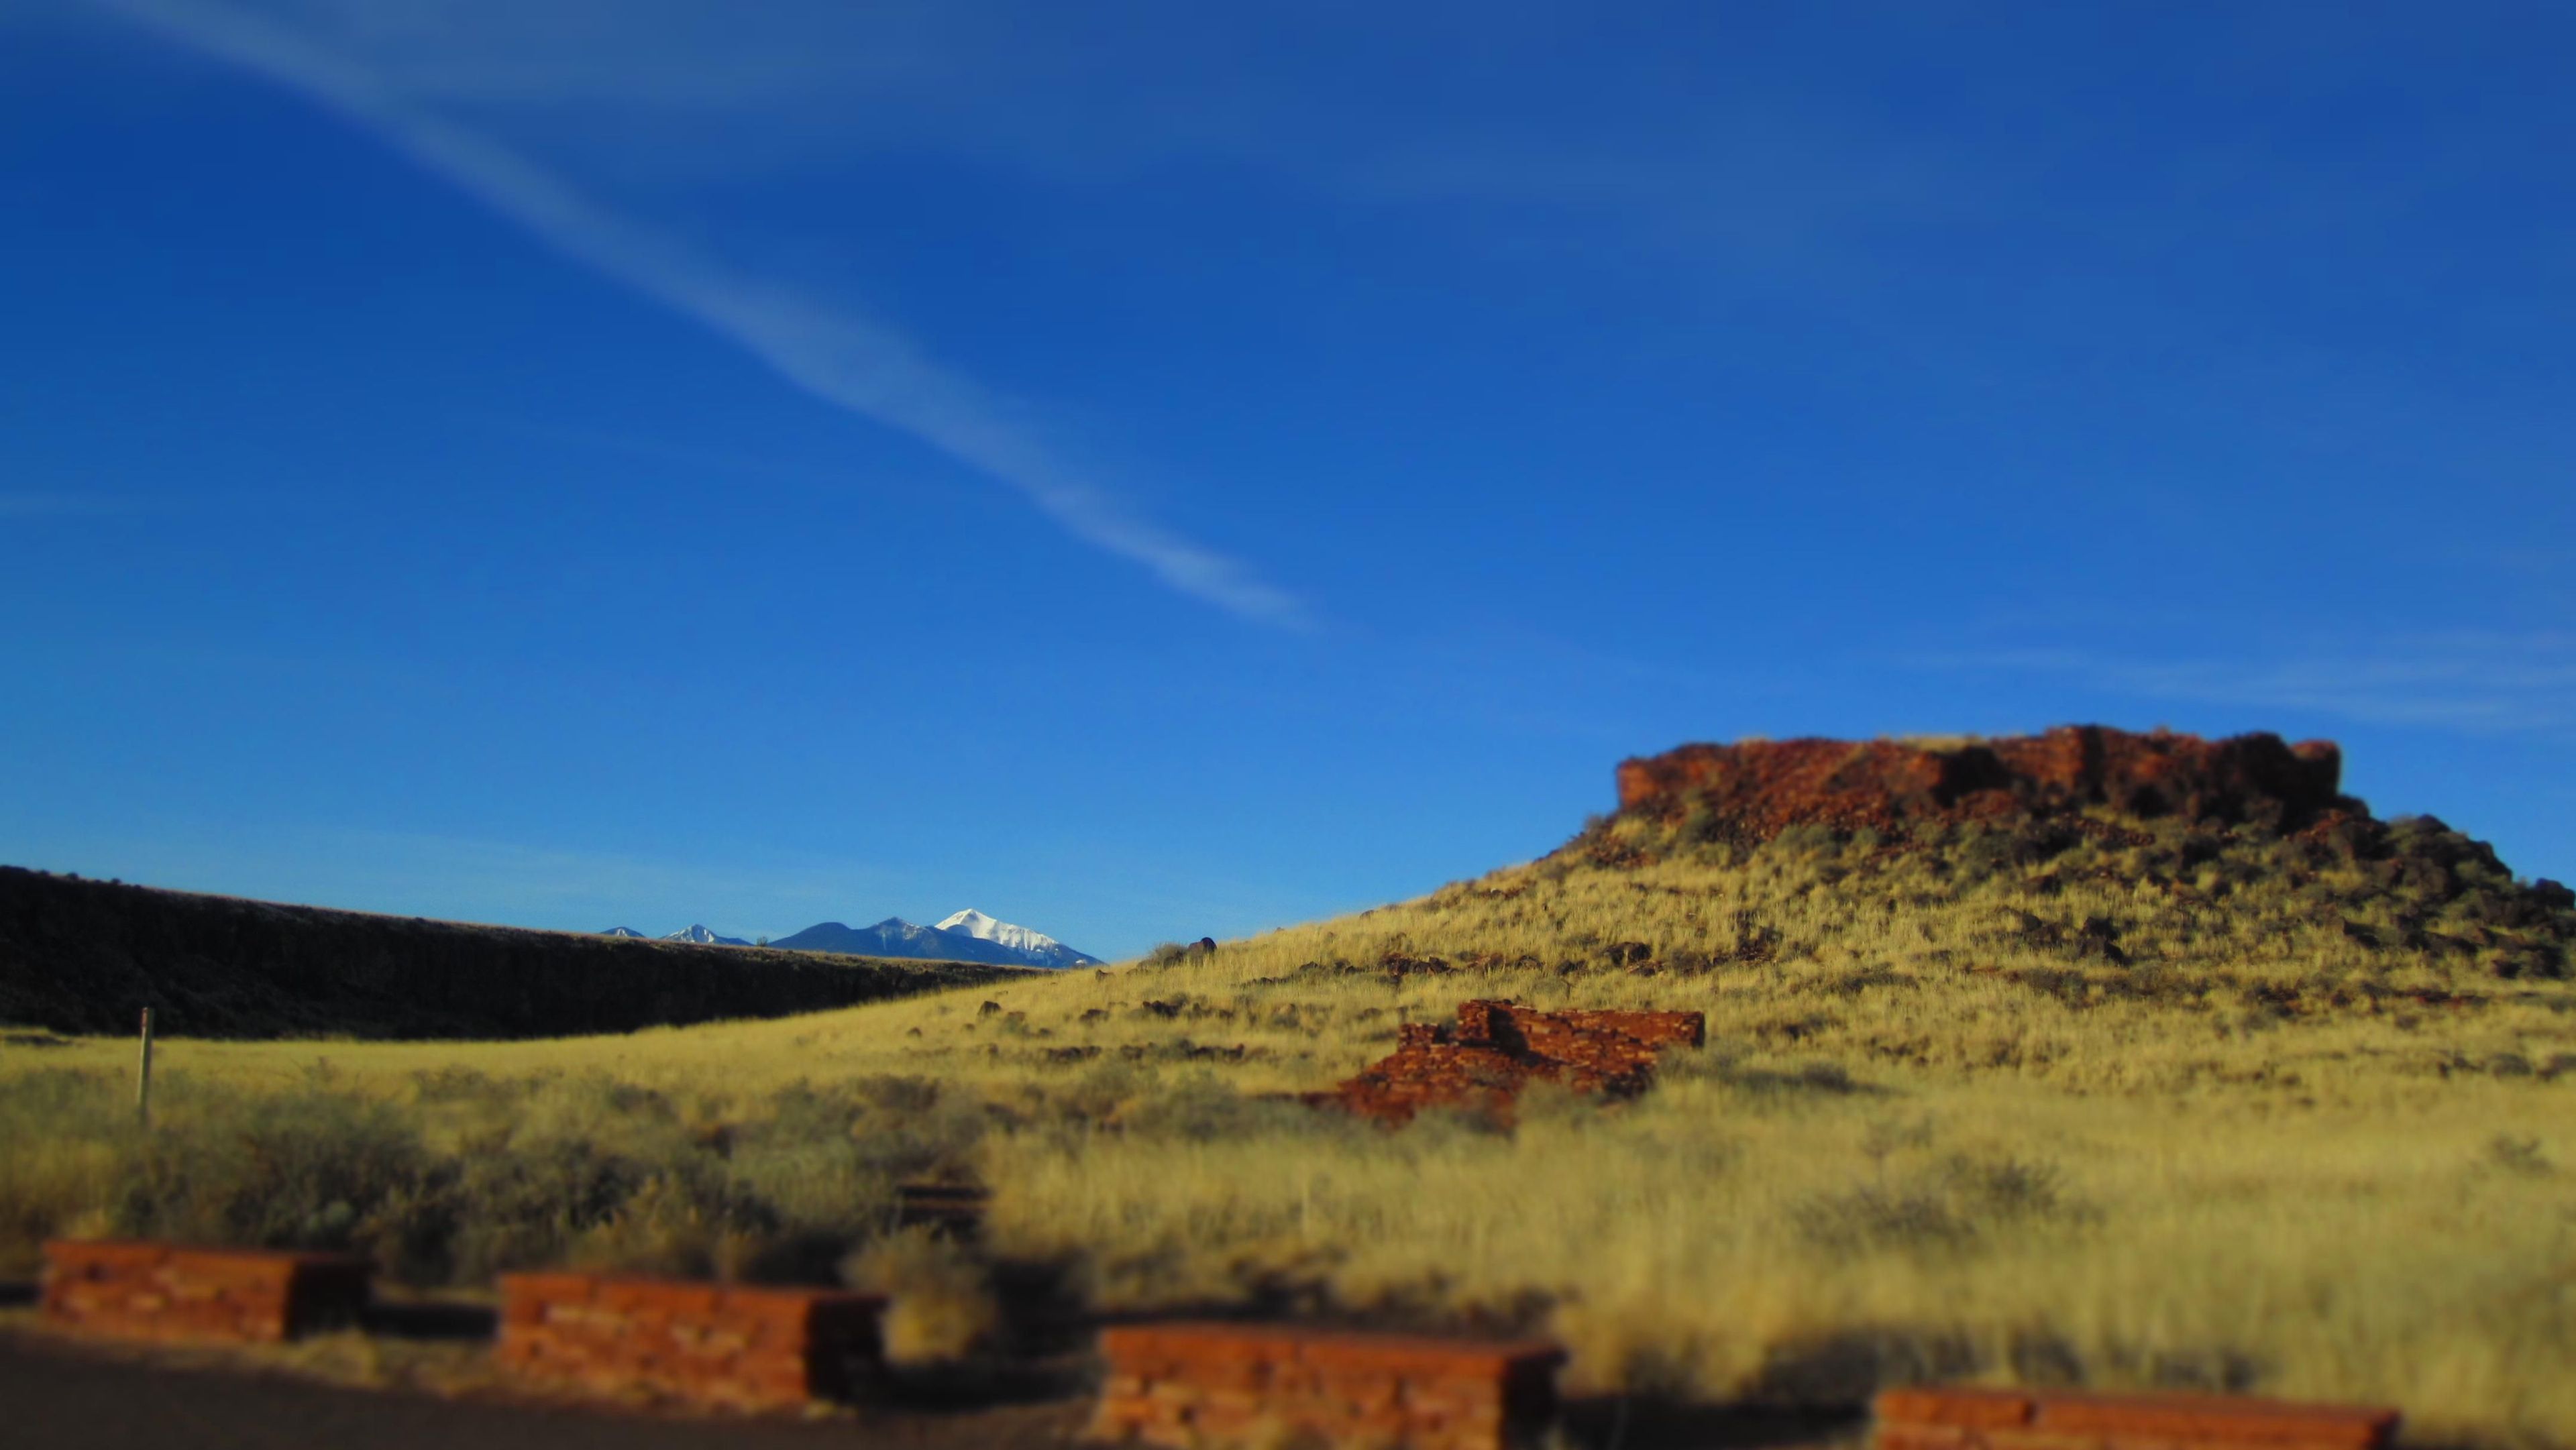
point(1941, 1126)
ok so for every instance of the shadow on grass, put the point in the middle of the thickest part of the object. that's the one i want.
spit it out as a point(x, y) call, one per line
point(969, 1387)
point(431, 1320)
point(1639, 1422)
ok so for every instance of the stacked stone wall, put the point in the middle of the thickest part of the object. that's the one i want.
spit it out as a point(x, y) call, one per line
point(1974, 1419)
point(1496, 1049)
point(707, 1344)
point(1194, 1385)
point(170, 1291)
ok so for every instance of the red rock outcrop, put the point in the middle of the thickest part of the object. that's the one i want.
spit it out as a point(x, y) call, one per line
point(1758, 789)
point(1495, 1049)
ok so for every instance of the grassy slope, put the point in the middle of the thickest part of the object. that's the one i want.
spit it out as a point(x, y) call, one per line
point(2211, 1109)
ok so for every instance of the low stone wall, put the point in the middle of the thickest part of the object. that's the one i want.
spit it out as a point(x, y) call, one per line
point(710, 1344)
point(1976, 1419)
point(171, 1291)
point(1191, 1385)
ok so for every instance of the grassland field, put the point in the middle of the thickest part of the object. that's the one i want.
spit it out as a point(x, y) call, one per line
point(2212, 1110)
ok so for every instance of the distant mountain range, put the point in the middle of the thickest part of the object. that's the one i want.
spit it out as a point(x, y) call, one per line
point(703, 936)
point(967, 936)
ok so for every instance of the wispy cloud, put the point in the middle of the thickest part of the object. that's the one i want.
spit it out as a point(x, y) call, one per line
point(842, 358)
point(2470, 680)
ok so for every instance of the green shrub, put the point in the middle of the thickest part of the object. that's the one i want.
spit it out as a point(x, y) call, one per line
point(1959, 1204)
point(302, 1169)
point(67, 1135)
point(474, 1176)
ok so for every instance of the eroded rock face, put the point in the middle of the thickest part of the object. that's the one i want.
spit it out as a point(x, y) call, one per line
point(1755, 790)
point(1497, 1048)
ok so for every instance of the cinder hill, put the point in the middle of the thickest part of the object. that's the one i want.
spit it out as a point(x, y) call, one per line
point(2021, 903)
point(2240, 851)
point(86, 956)
point(2086, 860)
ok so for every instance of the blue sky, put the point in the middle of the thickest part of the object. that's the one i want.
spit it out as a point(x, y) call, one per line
point(1153, 470)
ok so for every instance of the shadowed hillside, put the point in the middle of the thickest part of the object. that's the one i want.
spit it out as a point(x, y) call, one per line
point(85, 956)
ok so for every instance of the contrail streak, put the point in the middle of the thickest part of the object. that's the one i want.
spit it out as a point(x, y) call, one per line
point(853, 363)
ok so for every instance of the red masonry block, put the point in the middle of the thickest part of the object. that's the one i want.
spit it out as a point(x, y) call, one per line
point(1935, 1418)
point(1935, 1405)
point(708, 1344)
point(1195, 1383)
point(663, 1298)
point(143, 1289)
point(2236, 1420)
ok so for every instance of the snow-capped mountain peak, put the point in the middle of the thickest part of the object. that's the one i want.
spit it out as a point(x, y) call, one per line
point(976, 924)
point(1034, 948)
point(703, 936)
point(968, 936)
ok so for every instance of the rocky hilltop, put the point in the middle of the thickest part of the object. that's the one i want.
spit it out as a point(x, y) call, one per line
point(2225, 850)
point(1754, 790)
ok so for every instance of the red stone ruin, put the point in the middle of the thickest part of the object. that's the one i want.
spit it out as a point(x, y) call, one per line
point(720, 1345)
point(1937, 1418)
point(1495, 1049)
point(1757, 789)
point(1195, 1386)
point(170, 1291)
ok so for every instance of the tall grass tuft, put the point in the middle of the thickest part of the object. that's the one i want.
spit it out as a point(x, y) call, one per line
point(471, 1175)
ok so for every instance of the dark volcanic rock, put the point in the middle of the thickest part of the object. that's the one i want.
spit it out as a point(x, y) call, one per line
point(1756, 790)
point(87, 956)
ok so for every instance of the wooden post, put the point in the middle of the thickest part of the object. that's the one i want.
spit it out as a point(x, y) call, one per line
point(143, 1075)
